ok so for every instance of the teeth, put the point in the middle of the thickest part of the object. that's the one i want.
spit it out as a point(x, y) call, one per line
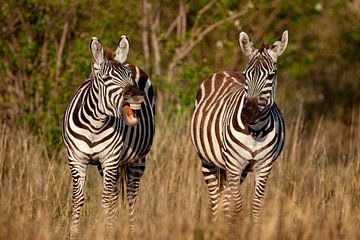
point(135, 106)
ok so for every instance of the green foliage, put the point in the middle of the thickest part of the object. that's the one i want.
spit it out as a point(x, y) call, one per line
point(319, 68)
point(190, 79)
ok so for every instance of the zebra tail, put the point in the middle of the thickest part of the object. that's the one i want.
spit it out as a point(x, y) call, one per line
point(123, 179)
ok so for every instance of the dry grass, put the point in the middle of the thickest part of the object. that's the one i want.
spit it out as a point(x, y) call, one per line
point(313, 191)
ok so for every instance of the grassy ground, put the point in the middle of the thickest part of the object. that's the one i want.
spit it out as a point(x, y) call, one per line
point(313, 191)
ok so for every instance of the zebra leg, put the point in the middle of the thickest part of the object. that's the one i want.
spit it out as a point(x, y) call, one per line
point(261, 176)
point(213, 181)
point(226, 200)
point(135, 171)
point(78, 172)
point(101, 172)
point(233, 188)
point(110, 195)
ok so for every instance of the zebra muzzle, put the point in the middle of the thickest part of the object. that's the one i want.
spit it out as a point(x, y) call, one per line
point(129, 115)
point(251, 112)
point(133, 98)
point(129, 108)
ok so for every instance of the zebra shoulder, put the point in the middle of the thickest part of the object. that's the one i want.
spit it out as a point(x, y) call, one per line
point(214, 82)
point(238, 76)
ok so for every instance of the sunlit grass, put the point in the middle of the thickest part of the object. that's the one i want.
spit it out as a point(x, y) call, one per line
point(313, 191)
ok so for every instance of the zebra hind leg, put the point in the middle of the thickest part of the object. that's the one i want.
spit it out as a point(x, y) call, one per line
point(110, 196)
point(135, 171)
point(78, 172)
point(212, 176)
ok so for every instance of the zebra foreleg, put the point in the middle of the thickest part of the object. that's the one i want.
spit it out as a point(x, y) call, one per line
point(233, 188)
point(213, 180)
point(78, 172)
point(135, 171)
point(226, 200)
point(110, 196)
point(261, 177)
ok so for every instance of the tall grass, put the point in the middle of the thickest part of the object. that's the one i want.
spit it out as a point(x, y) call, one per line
point(313, 191)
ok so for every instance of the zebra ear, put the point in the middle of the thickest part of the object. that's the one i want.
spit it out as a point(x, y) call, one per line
point(279, 46)
point(246, 45)
point(97, 53)
point(122, 50)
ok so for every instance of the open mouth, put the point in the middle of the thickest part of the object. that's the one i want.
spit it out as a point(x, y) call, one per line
point(133, 98)
point(129, 114)
point(135, 106)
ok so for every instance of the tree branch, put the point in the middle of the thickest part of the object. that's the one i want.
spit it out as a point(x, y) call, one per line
point(155, 41)
point(61, 49)
point(187, 46)
point(145, 33)
point(200, 13)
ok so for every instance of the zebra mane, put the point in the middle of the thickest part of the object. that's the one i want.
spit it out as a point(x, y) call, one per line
point(263, 47)
point(109, 54)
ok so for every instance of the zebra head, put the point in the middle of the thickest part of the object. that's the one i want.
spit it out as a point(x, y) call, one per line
point(119, 96)
point(260, 75)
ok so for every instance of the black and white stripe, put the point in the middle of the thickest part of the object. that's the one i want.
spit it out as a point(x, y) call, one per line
point(237, 127)
point(109, 123)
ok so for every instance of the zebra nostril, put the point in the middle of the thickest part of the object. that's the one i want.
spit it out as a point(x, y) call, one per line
point(251, 102)
point(251, 110)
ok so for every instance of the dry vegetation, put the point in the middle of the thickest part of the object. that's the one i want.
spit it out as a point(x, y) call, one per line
point(313, 191)
point(314, 188)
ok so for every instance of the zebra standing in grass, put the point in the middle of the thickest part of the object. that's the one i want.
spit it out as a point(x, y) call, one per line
point(109, 123)
point(237, 127)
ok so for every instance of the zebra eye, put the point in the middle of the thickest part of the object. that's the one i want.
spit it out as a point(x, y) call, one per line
point(271, 75)
point(106, 78)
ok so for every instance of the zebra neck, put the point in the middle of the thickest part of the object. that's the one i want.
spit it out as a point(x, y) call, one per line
point(92, 106)
point(259, 126)
point(238, 112)
point(263, 122)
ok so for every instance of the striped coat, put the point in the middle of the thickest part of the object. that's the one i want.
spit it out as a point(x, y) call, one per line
point(112, 137)
point(109, 123)
point(237, 127)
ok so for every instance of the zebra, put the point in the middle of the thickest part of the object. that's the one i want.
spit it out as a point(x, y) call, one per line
point(109, 123)
point(237, 128)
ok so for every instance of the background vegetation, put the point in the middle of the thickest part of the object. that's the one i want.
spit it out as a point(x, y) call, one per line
point(314, 188)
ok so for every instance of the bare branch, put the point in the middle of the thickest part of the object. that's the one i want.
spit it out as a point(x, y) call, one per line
point(187, 46)
point(61, 49)
point(171, 27)
point(155, 41)
point(145, 33)
point(179, 23)
point(200, 13)
point(183, 20)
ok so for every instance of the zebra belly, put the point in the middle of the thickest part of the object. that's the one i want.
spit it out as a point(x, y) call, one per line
point(108, 146)
point(258, 152)
point(105, 151)
point(204, 136)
